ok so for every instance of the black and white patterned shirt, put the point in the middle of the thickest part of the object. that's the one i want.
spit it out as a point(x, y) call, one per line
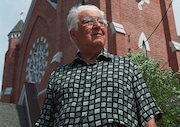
point(109, 92)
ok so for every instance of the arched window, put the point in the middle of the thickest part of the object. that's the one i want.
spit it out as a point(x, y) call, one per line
point(143, 43)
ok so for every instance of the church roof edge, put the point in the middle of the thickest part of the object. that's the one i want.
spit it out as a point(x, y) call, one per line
point(18, 27)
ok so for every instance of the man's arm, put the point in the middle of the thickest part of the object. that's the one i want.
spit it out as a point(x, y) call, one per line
point(151, 123)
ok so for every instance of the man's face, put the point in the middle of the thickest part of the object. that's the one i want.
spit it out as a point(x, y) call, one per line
point(91, 31)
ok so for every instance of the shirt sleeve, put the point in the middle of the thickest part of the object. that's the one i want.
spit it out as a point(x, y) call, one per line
point(146, 104)
point(47, 113)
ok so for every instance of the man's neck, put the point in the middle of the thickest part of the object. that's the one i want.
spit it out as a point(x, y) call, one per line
point(90, 57)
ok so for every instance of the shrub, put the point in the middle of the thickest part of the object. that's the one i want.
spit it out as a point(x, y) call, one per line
point(164, 85)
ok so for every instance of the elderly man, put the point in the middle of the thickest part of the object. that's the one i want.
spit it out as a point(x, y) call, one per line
point(97, 89)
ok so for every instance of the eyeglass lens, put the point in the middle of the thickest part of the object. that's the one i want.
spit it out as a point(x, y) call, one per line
point(92, 21)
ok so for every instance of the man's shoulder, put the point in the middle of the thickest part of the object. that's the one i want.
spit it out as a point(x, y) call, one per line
point(123, 61)
point(120, 58)
point(61, 69)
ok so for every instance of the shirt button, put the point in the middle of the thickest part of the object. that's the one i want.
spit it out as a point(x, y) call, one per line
point(89, 69)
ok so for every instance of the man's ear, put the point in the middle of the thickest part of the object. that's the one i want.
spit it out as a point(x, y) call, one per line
point(72, 34)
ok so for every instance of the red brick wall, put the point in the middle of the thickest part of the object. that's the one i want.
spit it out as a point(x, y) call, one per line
point(9, 66)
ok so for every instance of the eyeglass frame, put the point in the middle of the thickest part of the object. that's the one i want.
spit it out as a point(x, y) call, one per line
point(91, 21)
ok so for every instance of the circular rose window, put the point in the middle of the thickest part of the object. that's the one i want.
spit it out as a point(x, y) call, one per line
point(37, 61)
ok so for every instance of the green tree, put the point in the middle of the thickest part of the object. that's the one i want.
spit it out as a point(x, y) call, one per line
point(164, 85)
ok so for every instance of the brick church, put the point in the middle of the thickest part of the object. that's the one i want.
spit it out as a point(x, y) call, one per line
point(41, 43)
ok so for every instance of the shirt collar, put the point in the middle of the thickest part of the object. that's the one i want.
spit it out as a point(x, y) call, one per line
point(103, 56)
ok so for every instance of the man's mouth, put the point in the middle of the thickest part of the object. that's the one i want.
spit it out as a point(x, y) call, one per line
point(97, 34)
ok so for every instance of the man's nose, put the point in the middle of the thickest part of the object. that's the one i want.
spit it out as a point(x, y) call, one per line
point(97, 23)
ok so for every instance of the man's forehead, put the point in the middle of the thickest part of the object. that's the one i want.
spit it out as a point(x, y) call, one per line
point(91, 13)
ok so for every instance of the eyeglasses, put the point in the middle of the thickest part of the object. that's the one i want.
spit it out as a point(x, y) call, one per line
point(90, 21)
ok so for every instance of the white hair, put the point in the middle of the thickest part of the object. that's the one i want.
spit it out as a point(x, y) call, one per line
point(73, 16)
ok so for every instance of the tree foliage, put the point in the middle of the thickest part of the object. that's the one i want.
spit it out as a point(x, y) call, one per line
point(164, 85)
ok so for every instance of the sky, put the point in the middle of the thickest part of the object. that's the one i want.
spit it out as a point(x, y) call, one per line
point(10, 15)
